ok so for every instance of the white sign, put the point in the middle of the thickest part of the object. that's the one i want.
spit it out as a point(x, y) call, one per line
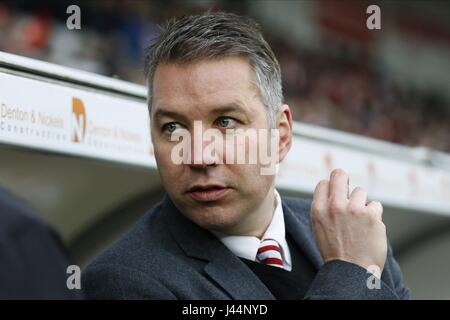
point(389, 180)
point(69, 120)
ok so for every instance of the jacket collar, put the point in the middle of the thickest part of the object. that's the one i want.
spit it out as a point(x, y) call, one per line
point(221, 264)
point(298, 225)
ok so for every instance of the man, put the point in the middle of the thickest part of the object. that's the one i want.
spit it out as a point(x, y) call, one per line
point(33, 262)
point(222, 231)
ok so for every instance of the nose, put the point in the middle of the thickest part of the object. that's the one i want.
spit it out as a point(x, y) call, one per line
point(205, 152)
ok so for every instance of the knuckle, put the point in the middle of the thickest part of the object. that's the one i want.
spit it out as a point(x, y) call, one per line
point(316, 208)
point(353, 208)
point(372, 219)
point(315, 217)
point(376, 208)
point(335, 205)
point(377, 223)
point(375, 218)
point(380, 205)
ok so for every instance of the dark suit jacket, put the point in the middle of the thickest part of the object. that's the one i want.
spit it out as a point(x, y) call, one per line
point(32, 259)
point(166, 256)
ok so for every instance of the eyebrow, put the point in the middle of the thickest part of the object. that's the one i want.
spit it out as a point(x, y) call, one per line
point(161, 113)
point(233, 107)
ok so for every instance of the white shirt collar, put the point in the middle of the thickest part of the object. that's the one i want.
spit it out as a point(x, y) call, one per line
point(247, 247)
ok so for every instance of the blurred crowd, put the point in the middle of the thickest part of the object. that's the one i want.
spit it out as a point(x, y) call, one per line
point(356, 97)
point(335, 90)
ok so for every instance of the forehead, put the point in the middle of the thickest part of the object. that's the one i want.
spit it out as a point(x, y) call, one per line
point(204, 82)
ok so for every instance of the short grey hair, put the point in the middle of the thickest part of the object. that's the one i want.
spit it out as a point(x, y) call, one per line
point(216, 35)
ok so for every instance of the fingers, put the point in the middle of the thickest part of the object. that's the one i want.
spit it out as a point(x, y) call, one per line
point(375, 208)
point(320, 196)
point(358, 200)
point(338, 189)
point(344, 226)
point(333, 196)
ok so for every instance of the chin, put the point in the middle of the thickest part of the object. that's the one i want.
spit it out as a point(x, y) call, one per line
point(214, 219)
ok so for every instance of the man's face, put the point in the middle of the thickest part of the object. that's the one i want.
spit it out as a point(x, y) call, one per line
point(221, 94)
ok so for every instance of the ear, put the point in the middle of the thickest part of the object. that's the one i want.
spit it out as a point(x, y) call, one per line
point(284, 125)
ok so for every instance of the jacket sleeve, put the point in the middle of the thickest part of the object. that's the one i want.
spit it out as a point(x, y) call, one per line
point(339, 279)
point(116, 282)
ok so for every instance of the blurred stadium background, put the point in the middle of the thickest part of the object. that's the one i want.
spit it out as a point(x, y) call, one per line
point(391, 85)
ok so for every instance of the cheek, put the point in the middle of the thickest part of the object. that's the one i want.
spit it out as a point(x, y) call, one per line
point(164, 159)
point(248, 177)
point(243, 145)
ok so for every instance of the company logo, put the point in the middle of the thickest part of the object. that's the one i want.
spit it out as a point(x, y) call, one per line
point(79, 120)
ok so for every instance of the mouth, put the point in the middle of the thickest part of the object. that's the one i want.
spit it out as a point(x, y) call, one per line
point(208, 193)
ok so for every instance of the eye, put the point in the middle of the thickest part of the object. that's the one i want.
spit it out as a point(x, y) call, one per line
point(226, 122)
point(170, 127)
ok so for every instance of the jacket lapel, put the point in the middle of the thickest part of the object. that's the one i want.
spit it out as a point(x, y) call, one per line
point(298, 225)
point(221, 264)
point(237, 279)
